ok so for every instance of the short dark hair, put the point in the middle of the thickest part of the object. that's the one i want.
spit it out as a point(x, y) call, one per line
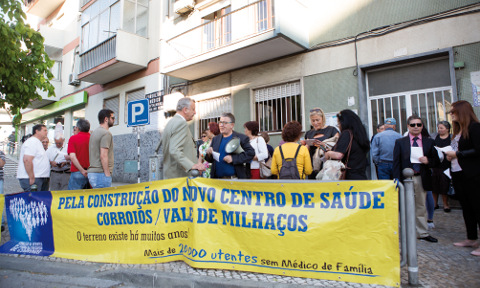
point(446, 124)
point(83, 125)
point(229, 115)
point(252, 126)
point(414, 117)
point(104, 113)
point(38, 128)
point(213, 127)
point(291, 131)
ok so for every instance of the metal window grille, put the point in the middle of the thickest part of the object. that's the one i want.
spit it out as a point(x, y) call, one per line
point(113, 104)
point(210, 110)
point(430, 104)
point(277, 105)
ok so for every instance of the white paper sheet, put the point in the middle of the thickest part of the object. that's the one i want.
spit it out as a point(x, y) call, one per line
point(216, 156)
point(447, 172)
point(415, 154)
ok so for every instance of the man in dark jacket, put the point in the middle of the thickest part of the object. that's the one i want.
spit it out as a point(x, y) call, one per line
point(416, 152)
point(229, 165)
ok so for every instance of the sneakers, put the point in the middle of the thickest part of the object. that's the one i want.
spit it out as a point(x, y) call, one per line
point(430, 224)
point(467, 243)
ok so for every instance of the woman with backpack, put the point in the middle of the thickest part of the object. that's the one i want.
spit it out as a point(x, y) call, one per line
point(291, 154)
point(352, 146)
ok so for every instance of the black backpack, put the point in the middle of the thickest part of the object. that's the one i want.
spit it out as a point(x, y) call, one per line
point(289, 168)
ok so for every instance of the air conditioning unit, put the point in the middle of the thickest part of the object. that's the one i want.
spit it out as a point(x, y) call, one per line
point(73, 80)
point(183, 6)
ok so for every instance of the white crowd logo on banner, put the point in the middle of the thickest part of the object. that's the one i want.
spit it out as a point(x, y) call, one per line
point(32, 215)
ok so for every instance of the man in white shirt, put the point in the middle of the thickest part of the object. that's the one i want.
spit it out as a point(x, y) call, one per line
point(33, 165)
point(60, 164)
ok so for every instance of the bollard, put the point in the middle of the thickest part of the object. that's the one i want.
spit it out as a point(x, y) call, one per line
point(194, 173)
point(411, 227)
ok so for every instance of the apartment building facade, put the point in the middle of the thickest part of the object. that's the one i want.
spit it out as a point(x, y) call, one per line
point(270, 61)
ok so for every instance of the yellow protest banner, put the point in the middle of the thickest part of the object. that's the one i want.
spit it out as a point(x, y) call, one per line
point(345, 231)
point(2, 201)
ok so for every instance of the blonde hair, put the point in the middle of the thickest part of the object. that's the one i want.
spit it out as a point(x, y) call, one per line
point(318, 112)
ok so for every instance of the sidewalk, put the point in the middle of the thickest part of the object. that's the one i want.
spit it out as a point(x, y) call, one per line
point(440, 265)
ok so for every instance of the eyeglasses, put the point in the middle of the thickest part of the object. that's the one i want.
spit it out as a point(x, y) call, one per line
point(415, 124)
point(45, 142)
point(223, 123)
point(203, 136)
point(113, 118)
point(315, 110)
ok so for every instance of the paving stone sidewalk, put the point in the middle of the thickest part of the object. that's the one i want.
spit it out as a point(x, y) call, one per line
point(440, 264)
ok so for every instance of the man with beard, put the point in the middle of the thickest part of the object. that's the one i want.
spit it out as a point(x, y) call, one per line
point(101, 151)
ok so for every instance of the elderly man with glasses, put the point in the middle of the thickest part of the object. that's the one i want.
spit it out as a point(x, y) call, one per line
point(229, 165)
point(179, 147)
point(419, 153)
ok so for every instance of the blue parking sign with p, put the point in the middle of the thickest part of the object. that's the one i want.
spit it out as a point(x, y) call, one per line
point(137, 113)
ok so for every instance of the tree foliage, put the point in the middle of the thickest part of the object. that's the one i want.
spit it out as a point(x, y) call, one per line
point(24, 64)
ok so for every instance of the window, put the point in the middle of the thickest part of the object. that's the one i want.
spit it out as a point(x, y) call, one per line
point(113, 104)
point(132, 96)
point(218, 29)
point(56, 70)
point(210, 110)
point(263, 15)
point(100, 21)
point(277, 105)
point(136, 17)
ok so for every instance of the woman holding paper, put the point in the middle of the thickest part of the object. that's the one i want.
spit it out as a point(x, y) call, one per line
point(465, 159)
point(440, 181)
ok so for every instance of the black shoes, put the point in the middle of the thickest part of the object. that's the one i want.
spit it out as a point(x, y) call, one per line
point(447, 210)
point(429, 239)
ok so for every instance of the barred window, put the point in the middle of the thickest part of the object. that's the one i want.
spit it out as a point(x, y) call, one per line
point(277, 105)
point(112, 104)
point(132, 96)
point(210, 110)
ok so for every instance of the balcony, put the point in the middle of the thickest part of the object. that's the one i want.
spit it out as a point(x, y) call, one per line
point(42, 8)
point(53, 39)
point(262, 31)
point(114, 58)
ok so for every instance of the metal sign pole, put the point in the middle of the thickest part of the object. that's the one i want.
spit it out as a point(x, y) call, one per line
point(138, 129)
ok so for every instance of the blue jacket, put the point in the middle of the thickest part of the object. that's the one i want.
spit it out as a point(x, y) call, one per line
point(383, 144)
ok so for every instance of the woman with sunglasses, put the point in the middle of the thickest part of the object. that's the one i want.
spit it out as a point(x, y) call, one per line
point(356, 158)
point(320, 131)
point(207, 136)
point(465, 170)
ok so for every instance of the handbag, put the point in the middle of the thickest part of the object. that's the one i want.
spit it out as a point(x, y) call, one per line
point(265, 168)
point(335, 169)
point(317, 156)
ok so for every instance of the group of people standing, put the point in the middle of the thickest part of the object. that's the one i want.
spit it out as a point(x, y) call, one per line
point(438, 160)
point(86, 162)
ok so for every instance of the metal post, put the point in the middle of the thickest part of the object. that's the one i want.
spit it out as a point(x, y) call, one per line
point(411, 227)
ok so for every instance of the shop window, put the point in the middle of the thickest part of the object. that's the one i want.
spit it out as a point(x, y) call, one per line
point(113, 104)
point(132, 96)
point(277, 105)
point(210, 110)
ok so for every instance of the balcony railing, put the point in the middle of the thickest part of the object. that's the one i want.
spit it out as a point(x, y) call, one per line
point(236, 26)
point(99, 54)
point(84, 2)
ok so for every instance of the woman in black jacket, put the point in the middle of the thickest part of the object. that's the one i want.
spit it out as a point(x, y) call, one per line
point(465, 159)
